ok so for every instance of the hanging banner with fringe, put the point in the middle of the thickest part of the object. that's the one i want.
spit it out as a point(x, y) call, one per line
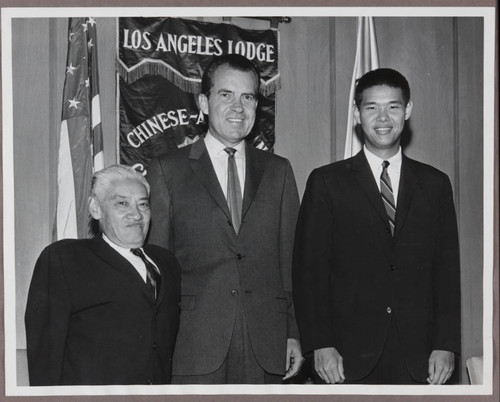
point(160, 64)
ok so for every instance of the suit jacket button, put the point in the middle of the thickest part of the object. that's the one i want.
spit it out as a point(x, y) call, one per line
point(234, 292)
point(155, 345)
point(393, 267)
point(239, 256)
point(389, 310)
point(149, 381)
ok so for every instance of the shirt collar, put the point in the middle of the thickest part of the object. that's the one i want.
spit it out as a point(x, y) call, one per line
point(374, 160)
point(215, 147)
point(118, 248)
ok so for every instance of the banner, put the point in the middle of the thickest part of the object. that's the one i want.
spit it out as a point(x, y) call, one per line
point(366, 60)
point(80, 143)
point(160, 64)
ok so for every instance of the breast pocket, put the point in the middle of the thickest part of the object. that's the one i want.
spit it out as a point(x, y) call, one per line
point(282, 304)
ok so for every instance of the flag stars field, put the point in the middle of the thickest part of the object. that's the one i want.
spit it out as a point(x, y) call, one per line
point(80, 145)
point(70, 69)
point(73, 103)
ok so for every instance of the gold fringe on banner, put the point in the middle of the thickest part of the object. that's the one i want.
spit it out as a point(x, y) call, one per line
point(150, 68)
point(187, 85)
point(270, 87)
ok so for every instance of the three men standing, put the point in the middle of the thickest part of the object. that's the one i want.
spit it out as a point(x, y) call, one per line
point(228, 212)
point(376, 262)
point(375, 267)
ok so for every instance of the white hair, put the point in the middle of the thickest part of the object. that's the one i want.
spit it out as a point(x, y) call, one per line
point(102, 179)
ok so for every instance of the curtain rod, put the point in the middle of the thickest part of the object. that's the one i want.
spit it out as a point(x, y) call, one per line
point(274, 21)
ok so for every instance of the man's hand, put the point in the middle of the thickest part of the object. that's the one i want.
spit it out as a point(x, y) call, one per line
point(329, 365)
point(441, 365)
point(294, 358)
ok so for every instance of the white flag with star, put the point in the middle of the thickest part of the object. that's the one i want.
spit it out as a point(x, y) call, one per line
point(80, 145)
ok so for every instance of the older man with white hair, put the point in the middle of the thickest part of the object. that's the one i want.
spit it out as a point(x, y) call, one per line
point(105, 310)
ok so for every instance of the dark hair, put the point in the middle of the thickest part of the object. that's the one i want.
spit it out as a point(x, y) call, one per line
point(234, 61)
point(382, 76)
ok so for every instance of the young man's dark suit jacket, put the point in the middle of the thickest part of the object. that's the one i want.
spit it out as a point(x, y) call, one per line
point(90, 320)
point(190, 216)
point(351, 277)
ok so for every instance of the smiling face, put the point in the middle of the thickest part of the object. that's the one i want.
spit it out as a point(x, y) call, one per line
point(231, 105)
point(122, 210)
point(382, 114)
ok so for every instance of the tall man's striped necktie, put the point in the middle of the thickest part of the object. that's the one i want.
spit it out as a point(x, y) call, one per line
point(234, 198)
point(388, 195)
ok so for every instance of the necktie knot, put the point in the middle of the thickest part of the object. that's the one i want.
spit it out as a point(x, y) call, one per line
point(138, 252)
point(230, 151)
point(385, 165)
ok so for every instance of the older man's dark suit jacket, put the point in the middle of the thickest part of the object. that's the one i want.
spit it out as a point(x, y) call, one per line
point(351, 277)
point(190, 216)
point(90, 320)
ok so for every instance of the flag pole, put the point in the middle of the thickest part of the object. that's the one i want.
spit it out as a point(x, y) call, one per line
point(366, 60)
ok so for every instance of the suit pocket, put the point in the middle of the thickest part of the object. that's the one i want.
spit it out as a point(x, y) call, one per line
point(188, 302)
point(282, 304)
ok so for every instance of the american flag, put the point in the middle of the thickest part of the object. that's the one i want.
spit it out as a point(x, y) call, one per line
point(80, 146)
point(366, 60)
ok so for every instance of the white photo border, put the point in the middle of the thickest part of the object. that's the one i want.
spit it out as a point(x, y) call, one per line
point(9, 13)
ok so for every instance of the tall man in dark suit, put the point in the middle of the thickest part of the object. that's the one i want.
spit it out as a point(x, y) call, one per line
point(376, 264)
point(228, 211)
point(105, 310)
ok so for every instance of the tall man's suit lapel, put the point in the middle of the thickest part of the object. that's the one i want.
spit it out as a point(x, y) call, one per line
point(254, 170)
point(203, 169)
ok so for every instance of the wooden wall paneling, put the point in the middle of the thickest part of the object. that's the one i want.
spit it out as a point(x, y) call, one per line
point(106, 48)
point(470, 186)
point(31, 72)
point(58, 50)
point(303, 113)
point(343, 66)
point(422, 49)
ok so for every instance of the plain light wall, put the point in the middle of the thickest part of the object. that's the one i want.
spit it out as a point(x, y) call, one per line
point(316, 62)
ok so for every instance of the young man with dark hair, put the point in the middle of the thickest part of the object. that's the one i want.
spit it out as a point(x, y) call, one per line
point(376, 261)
